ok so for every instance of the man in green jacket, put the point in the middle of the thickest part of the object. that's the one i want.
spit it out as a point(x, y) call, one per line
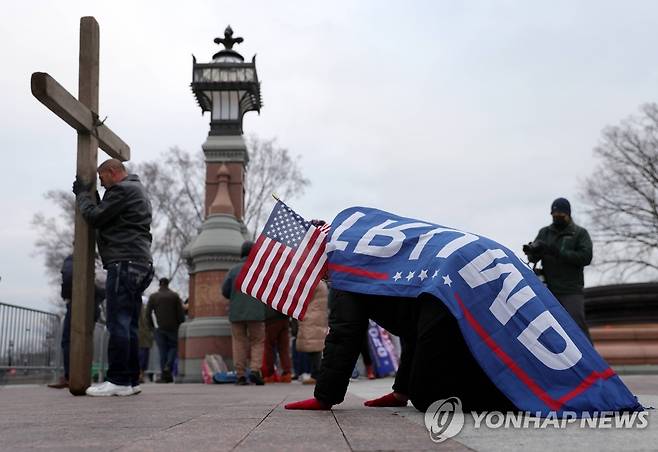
point(247, 317)
point(564, 249)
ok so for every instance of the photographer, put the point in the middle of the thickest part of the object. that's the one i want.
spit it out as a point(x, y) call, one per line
point(564, 248)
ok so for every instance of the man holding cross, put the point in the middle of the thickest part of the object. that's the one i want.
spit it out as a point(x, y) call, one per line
point(123, 222)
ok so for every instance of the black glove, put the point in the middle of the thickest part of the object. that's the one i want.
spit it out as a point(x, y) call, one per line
point(535, 250)
point(80, 187)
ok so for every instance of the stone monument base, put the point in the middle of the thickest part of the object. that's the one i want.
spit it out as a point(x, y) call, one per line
point(197, 338)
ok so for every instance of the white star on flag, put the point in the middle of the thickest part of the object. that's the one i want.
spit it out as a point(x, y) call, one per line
point(423, 275)
point(397, 276)
point(410, 276)
point(447, 281)
point(436, 273)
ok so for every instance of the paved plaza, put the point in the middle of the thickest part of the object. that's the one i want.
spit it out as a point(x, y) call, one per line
point(191, 417)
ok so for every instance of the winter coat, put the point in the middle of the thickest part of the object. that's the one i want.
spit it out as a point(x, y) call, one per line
point(313, 329)
point(571, 251)
point(168, 308)
point(242, 307)
point(123, 221)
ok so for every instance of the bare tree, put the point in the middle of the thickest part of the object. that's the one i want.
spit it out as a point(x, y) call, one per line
point(55, 234)
point(175, 183)
point(271, 170)
point(622, 196)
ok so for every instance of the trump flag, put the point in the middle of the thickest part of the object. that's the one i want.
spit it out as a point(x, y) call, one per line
point(521, 336)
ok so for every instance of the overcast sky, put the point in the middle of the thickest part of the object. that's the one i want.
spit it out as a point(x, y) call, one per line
point(471, 114)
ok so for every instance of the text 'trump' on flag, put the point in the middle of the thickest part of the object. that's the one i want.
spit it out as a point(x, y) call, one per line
point(286, 263)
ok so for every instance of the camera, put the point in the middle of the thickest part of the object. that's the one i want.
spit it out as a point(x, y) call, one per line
point(534, 250)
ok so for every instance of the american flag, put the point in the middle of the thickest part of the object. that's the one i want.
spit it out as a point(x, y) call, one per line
point(286, 263)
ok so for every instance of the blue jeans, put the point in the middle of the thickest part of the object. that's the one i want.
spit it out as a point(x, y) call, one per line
point(167, 346)
point(124, 286)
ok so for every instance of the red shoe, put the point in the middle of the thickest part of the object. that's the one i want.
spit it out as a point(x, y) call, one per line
point(310, 404)
point(370, 372)
point(387, 400)
point(274, 378)
point(285, 378)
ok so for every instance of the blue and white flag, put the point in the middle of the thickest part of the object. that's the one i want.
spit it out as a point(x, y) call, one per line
point(517, 331)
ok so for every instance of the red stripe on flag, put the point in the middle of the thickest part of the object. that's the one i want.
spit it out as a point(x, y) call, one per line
point(357, 271)
point(586, 383)
point(509, 362)
point(305, 279)
point(279, 280)
point(250, 260)
point(283, 259)
point(275, 251)
point(293, 275)
point(260, 266)
point(520, 373)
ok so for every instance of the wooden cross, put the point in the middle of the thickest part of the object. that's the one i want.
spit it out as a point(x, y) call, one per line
point(82, 115)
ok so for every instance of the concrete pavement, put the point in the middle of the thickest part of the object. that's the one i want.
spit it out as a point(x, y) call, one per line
point(191, 417)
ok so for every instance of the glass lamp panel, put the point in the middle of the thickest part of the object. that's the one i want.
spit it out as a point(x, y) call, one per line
point(234, 105)
point(249, 74)
point(240, 74)
point(215, 74)
point(205, 75)
point(232, 75)
point(225, 105)
point(216, 105)
point(223, 76)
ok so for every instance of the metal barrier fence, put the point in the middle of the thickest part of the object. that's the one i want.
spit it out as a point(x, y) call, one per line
point(29, 344)
point(30, 350)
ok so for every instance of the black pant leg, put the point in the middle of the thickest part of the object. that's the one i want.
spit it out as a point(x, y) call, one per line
point(403, 374)
point(348, 324)
point(443, 365)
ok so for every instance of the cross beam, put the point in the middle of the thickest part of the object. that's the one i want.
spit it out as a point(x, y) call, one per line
point(82, 115)
point(77, 115)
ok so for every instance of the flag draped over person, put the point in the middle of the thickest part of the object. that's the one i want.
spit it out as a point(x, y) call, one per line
point(523, 339)
point(521, 336)
point(286, 263)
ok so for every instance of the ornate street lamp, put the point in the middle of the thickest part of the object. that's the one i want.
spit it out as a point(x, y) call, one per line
point(227, 88)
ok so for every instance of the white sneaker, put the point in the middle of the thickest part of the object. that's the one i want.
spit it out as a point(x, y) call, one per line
point(137, 389)
point(109, 389)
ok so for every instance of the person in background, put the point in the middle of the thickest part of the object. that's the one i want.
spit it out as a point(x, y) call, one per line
point(168, 309)
point(247, 316)
point(312, 330)
point(367, 359)
point(564, 249)
point(277, 341)
point(66, 294)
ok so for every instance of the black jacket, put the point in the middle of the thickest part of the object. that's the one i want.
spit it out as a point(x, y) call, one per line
point(123, 221)
point(168, 308)
point(572, 251)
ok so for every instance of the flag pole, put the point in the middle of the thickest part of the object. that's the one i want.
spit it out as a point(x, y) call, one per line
point(275, 196)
